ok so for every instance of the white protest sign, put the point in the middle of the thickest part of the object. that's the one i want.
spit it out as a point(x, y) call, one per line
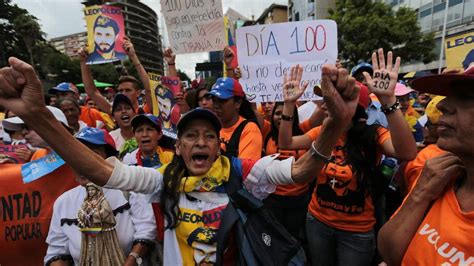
point(266, 53)
point(194, 25)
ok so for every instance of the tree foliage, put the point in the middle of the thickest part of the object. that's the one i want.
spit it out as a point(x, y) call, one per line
point(365, 25)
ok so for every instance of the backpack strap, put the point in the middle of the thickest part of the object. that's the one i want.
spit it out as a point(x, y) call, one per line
point(232, 147)
point(229, 216)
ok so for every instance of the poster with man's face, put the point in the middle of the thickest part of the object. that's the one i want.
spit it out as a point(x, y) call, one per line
point(105, 32)
point(164, 90)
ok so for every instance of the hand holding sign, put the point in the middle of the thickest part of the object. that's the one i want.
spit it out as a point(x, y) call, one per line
point(292, 87)
point(385, 77)
point(228, 56)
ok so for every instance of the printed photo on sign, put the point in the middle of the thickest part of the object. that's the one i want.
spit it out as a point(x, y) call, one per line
point(8, 152)
point(194, 26)
point(163, 91)
point(267, 52)
point(105, 32)
point(460, 50)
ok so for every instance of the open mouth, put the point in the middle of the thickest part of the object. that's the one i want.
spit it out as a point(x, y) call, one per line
point(125, 118)
point(144, 142)
point(200, 157)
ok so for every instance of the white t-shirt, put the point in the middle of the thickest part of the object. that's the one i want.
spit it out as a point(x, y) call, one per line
point(306, 110)
point(118, 139)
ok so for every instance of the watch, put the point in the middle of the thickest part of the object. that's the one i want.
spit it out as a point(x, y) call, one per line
point(287, 117)
point(137, 257)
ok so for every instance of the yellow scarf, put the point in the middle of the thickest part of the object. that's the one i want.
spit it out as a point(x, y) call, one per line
point(212, 181)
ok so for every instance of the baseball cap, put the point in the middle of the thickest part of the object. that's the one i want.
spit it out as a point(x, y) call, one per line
point(146, 118)
point(362, 67)
point(16, 123)
point(199, 113)
point(445, 84)
point(432, 112)
point(401, 90)
point(96, 136)
point(226, 88)
point(120, 98)
point(63, 87)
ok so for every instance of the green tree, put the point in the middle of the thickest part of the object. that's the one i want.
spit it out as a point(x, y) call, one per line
point(27, 27)
point(364, 25)
point(11, 44)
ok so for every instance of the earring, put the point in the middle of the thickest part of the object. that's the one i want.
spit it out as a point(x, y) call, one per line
point(218, 153)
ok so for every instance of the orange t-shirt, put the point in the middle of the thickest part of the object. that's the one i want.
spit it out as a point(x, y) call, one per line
point(337, 200)
point(414, 168)
point(305, 126)
point(90, 116)
point(266, 129)
point(250, 144)
point(445, 235)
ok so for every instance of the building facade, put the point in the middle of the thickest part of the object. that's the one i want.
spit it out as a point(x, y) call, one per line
point(300, 10)
point(274, 14)
point(460, 20)
point(70, 44)
point(141, 25)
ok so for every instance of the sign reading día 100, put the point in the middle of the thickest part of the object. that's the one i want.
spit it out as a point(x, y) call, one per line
point(266, 53)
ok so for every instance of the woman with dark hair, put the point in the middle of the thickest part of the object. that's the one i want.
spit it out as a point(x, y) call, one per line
point(202, 98)
point(192, 186)
point(289, 202)
point(240, 134)
point(340, 220)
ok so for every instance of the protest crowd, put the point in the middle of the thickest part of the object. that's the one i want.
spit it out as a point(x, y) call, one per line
point(376, 170)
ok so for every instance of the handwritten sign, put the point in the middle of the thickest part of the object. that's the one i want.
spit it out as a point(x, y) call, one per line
point(164, 90)
point(105, 32)
point(194, 25)
point(267, 52)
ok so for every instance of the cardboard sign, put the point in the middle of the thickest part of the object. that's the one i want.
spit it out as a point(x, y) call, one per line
point(163, 90)
point(460, 50)
point(105, 32)
point(8, 152)
point(267, 52)
point(194, 25)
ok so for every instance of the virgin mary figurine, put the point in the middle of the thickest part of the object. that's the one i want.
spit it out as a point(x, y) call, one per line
point(99, 243)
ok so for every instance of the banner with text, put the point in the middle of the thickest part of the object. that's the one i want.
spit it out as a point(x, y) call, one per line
point(460, 50)
point(105, 32)
point(194, 25)
point(164, 90)
point(266, 53)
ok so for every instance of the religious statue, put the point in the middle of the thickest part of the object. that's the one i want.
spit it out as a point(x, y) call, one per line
point(99, 243)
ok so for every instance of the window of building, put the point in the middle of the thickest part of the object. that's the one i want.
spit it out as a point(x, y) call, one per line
point(468, 8)
point(438, 19)
point(454, 13)
point(425, 22)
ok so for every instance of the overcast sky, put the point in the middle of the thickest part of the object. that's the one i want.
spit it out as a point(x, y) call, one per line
point(63, 17)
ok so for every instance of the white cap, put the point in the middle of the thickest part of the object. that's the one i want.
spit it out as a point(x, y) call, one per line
point(15, 123)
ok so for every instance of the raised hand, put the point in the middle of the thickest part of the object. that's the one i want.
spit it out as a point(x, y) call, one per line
point(20, 88)
point(169, 56)
point(382, 84)
point(128, 47)
point(292, 87)
point(340, 94)
point(228, 56)
point(83, 54)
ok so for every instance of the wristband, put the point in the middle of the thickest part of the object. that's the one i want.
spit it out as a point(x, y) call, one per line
point(317, 155)
point(391, 109)
point(229, 69)
point(172, 64)
point(287, 117)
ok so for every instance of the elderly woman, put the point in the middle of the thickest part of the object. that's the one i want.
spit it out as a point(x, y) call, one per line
point(191, 187)
point(435, 224)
